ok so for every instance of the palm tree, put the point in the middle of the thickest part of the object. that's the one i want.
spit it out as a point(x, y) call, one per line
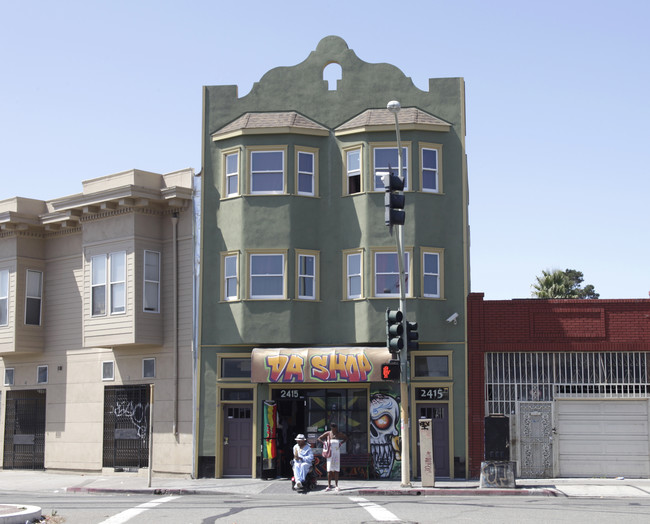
point(554, 284)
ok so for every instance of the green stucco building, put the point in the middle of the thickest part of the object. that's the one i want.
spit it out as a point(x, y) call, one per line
point(298, 268)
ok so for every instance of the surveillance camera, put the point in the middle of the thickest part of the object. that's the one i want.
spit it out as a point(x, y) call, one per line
point(453, 319)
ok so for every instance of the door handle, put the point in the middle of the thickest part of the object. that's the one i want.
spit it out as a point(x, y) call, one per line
point(225, 441)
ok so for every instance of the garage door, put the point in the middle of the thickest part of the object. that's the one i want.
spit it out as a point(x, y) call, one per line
point(603, 438)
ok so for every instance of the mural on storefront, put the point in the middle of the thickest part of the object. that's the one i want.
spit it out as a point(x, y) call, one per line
point(385, 434)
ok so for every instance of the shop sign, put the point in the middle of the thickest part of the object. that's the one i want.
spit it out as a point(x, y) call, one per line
point(321, 365)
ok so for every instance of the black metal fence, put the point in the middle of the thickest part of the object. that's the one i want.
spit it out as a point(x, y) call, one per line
point(24, 442)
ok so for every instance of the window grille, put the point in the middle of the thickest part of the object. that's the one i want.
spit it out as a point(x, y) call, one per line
point(516, 377)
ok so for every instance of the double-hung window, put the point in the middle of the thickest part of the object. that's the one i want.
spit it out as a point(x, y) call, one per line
point(307, 275)
point(33, 297)
point(267, 272)
point(385, 159)
point(267, 171)
point(430, 161)
point(386, 273)
point(108, 284)
point(4, 297)
point(353, 170)
point(151, 300)
point(353, 261)
point(230, 268)
point(231, 167)
point(306, 172)
point(431, 273)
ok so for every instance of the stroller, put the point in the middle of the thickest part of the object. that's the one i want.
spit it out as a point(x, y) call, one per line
point(310, 481)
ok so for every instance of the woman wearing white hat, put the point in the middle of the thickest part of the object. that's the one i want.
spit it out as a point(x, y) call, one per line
point(303, 457)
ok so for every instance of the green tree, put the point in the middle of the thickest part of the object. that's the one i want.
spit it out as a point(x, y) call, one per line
point(562, 284)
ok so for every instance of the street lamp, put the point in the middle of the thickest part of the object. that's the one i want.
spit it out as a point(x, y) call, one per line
point(394, 107)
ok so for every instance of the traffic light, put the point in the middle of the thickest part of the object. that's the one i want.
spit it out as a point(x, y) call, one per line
point(394, 331)
point(412, 335)
point(390, 371)
point(393, 199)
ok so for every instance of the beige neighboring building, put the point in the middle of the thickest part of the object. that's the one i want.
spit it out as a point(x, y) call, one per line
point(96, 305)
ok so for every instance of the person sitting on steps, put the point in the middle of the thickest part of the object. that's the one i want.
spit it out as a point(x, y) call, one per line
point(303, 457)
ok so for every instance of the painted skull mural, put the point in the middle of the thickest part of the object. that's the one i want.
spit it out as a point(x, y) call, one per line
point(384, 433)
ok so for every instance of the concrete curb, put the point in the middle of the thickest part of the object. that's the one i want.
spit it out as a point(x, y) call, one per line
point(545, 492)
point(14, 514)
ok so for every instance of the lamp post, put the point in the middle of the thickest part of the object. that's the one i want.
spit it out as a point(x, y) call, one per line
point(394, 107)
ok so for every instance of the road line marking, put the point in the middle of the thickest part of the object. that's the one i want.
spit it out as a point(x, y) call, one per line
point(128, 514)
point(376, 511)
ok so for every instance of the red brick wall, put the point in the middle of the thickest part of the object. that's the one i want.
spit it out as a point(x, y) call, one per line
point(543, 325)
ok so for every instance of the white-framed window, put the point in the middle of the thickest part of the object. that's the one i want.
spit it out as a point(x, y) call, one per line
point(151, 291)
point(307, 275)
point(148, 368)
point(117, 283)
point(108, 270)
point(306, 172)
point(98, 285)
point(33, 297)
point(430, 158)
point(231, 168)
point(353, 272)
point(230, 269)
point(385, 159)
point(41, 375)
point(108, 370)
point(4, 297)
point(267, 172)
point(432, 273)
point(386, 274)
point(267, 272)
point(353, 171)
point(9, 377)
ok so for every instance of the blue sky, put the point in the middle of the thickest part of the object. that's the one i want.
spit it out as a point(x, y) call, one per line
point(558, 113)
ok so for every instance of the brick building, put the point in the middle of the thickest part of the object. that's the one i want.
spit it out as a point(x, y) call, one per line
point(571, 376)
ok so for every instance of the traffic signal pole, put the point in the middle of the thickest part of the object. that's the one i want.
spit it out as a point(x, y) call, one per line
point(394, 108)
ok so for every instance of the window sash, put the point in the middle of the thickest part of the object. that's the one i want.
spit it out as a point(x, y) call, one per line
point(353, 166)
point(108, 370)
point(385, 158)
point(431, 274)
point(267, 172)
point(306, 171)
point(230, 277)
point(387, 274)
point(4, 297)
point(41, 375)
point(33, 296)
point(430, 170)
point(117, 284)
point(307, 277)
point(232, 174)
point(354, 275)
point(267, 276)
point(9, 377)
point(151, 293)
point(148, 368)
point(98, 285)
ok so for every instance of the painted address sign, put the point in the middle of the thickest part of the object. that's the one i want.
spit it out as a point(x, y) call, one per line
point(432, 394)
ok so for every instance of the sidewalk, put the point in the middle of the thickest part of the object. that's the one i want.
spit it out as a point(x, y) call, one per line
point(24, 481)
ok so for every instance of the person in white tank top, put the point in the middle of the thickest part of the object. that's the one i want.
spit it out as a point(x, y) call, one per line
point(335, 438)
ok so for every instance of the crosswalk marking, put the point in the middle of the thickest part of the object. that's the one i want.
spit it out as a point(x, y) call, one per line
point(128, 514)
point(376, 511)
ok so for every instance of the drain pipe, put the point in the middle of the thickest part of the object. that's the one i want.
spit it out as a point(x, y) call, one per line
point(175, 313)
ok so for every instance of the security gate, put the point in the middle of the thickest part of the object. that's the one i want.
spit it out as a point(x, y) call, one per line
point(24, 443)
point(126, 427)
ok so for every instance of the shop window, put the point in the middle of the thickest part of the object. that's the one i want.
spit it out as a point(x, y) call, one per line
point(234, 367)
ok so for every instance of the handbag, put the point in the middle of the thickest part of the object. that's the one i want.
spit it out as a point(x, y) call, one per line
point(327, 450)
